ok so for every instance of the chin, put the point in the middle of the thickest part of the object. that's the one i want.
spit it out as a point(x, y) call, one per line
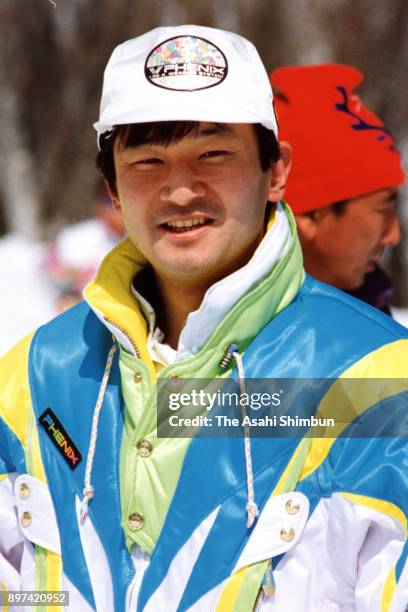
point(185, 269)
point(354, 283)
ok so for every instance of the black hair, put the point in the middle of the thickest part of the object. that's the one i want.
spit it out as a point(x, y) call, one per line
point(165, 133)
point(339, 207)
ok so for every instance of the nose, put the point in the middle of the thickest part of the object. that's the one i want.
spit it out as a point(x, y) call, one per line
point(181, 186)
point(392, 233)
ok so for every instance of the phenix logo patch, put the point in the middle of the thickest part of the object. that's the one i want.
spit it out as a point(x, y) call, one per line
point(60, 438)
point(186, 63)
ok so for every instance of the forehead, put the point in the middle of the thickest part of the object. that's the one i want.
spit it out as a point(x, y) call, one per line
point(215, 129)
point(371, 200)
point(167, 133)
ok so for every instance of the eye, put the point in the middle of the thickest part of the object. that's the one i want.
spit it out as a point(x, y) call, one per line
point(149, 161)
point(216, 153)
point(388, 210)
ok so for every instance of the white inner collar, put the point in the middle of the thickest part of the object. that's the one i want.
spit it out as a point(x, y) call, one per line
point(219, 298)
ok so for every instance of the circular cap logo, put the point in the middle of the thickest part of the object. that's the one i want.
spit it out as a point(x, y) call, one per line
point(186, 63)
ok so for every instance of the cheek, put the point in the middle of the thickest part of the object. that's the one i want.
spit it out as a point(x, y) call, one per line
point(249, 194)
point(134, 196)
point(131, 188)
point(367, 227)
point(226, 184)
point(348, 236)
point(367, 236)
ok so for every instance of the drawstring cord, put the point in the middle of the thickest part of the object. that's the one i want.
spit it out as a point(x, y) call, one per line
point(88, 491)
point(251, 507)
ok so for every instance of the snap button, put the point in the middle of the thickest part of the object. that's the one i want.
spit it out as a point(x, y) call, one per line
point(144, 448)
point(292, 507)
point(24, 490)
point(137, 378)
point(26, 519)
point(287, 535)
point(136, 521)
point(175, 383)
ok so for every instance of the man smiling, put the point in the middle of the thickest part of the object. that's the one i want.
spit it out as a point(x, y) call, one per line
point(208, 282)
point(194, 203)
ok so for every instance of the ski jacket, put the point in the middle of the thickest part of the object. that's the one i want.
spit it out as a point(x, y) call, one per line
point(331, 531)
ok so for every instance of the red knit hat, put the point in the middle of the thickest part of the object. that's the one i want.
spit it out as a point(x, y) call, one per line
point(341, 150)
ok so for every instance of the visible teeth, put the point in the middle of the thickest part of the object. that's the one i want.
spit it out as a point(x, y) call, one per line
point(200, 220)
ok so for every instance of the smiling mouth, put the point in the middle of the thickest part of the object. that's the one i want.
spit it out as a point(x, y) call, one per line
point(180, 226)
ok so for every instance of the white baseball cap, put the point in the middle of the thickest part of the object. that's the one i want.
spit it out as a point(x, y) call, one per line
point(186, 73)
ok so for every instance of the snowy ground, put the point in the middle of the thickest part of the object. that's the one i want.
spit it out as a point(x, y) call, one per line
point(28, 299)
point(401, 315)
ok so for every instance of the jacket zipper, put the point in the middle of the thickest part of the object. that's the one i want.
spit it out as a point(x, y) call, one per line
point(133, 594)
point(258, 600)
point(133, 344)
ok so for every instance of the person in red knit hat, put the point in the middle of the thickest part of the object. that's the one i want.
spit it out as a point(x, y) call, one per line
point(344, 180)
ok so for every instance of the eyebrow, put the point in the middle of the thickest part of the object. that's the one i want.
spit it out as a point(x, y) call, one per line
point(392, 198)
point(215, 129)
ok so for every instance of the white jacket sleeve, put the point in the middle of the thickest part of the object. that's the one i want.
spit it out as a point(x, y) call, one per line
point(368, 545)
point(344, 561)
point(400, 600)
point(11, 539)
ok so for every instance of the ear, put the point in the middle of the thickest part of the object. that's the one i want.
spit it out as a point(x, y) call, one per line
point(280, 172)
point(113, 196)
point(306, 225)
point(310, 223)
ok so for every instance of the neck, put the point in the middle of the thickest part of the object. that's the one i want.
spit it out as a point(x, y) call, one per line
point(175, 297)
point(175, 300)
